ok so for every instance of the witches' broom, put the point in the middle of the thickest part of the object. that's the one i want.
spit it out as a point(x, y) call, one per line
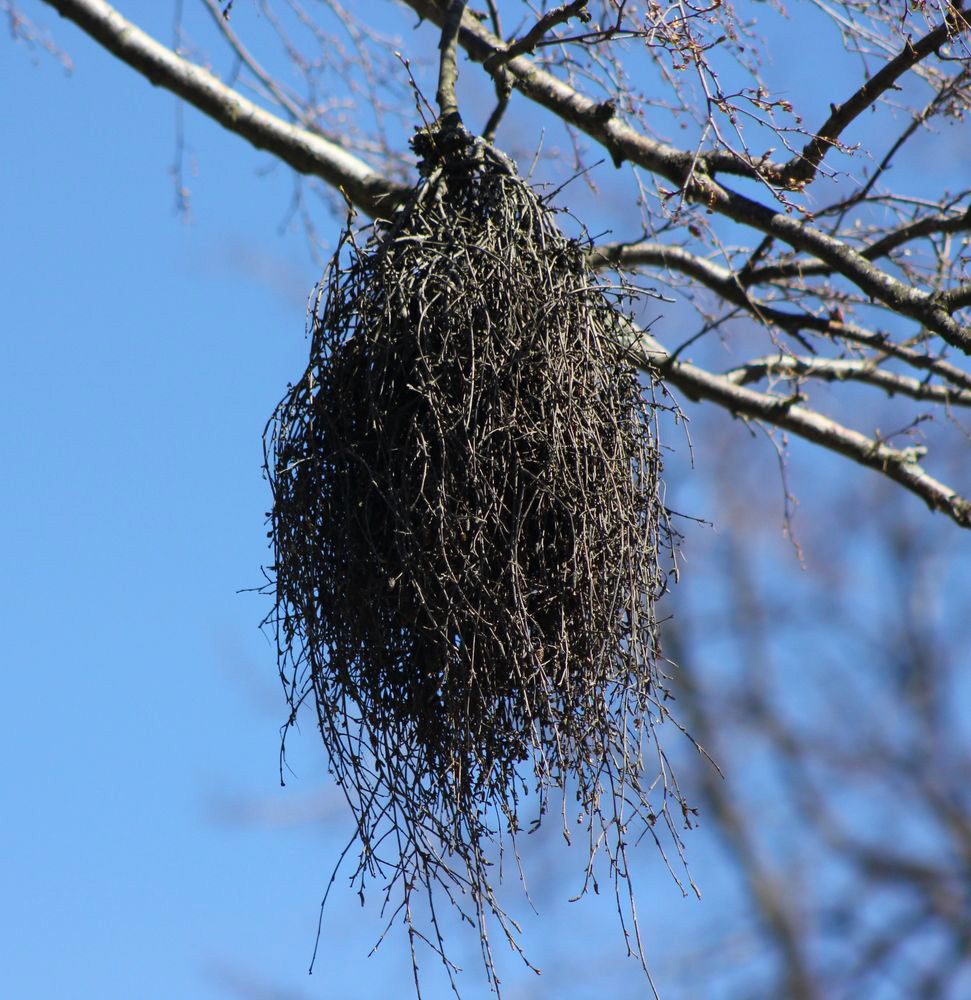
point(468, 535)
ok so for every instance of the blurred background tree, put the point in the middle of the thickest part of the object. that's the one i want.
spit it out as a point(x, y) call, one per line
point(793, 178)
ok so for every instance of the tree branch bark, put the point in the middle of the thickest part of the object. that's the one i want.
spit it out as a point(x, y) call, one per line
point(448, 72)
point(305, 151)
point(691, 173)
point(900, 465)
point(312, 154)
point(847, 369)
point(803, 167)
point(732, 286)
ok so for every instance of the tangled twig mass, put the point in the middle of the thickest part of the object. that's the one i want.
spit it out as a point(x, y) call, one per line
point(469, 540)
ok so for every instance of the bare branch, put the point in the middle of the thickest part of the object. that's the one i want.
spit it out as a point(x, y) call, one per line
point(297, 113)
point(847, 369)
point(927, 225)
point(305, 151)
point(690, 172)
point(731, 286)
point(802, 168)
point(312, 154)
point(883, 345)
point(529, 41)
point(900, 465)
point(775, 904)
point(448, 68)
point(958, 298)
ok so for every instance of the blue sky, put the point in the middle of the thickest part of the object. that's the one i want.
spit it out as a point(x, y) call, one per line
point(148, 850)
point(142, 357)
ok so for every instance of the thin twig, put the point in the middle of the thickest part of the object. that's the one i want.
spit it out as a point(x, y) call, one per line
point(900, 465)
point(536, 34)
point(305, 151)
point(802, 168)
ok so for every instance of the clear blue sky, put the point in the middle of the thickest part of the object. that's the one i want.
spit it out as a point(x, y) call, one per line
point(141, 358)
point(147, 850)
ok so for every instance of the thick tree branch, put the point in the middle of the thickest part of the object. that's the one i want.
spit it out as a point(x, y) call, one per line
point(312, 154)
point(957, 298)
point(305, 151)
point(900, 465)
point(691, 173)
point(448, 72)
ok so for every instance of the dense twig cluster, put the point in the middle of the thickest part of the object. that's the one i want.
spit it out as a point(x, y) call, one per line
point(469, 535)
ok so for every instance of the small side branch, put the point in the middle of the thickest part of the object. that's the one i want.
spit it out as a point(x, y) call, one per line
point(536, 34)
point(802, 168)
point(246, 58)
point(900, 465)
point(927, 225)
point(305, 151)
point(732, 287)
point(846, 369)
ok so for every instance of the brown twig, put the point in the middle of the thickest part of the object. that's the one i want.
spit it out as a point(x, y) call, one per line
point(529, 41)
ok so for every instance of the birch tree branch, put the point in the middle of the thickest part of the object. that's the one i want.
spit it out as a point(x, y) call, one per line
point(304, 150)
